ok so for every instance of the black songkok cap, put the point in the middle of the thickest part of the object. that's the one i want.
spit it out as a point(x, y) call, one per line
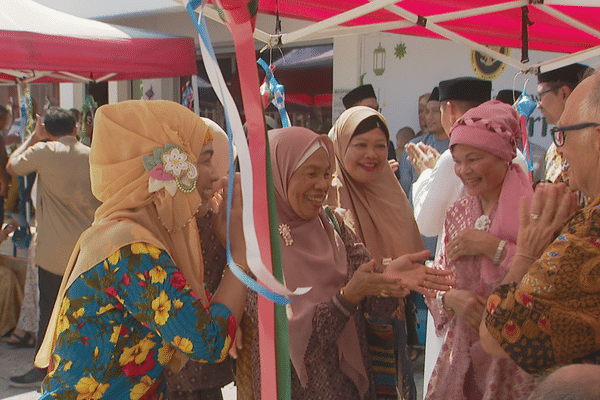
point(568, 74)
point(467, 89)
point(508, 96)
point(358, 94)
point(435, 95)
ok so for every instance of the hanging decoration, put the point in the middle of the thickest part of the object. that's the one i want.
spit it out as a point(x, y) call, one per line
point(259, 215)
point(149, 93)
point(88, 110)
point(400, 50)
point(525, 106)
point(379, 60)
point(187, 95)
point(273, 92)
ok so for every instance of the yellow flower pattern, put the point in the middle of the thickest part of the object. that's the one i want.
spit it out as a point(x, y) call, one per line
point(141, 388)
point(63, 321)
point(115, 257)
point(137, 353)
point(88, 388)
point(158, 274)
point(177, 304)
point(162, 306)
point(121, 323)
point(115, 334)
point(183, 344)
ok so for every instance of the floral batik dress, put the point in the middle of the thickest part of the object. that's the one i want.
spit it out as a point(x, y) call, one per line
point(120, 323)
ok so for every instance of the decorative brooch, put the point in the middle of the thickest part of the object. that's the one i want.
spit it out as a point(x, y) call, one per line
point(169, 168)
point(286, 234)
point(483, 223)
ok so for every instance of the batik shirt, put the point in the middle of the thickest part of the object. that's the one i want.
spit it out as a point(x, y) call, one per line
point(550, 318)
point(120, 323)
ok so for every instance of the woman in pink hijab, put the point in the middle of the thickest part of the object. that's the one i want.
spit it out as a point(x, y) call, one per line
point(327, 325)
point(480, 234)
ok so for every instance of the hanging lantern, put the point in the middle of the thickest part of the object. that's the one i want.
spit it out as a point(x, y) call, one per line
point(379, 60)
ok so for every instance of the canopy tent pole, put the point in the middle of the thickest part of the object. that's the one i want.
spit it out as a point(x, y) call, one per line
point(357, 30)
point(102, 78)
point(336, 20)
point(196, 94)
point(473, 12)
point(457, 38)
point(212, 14)
point(48, 74)
point(567, 59)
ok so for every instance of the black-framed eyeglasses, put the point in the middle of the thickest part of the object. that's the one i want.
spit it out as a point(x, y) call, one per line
point(540, 95)
point(558, 132)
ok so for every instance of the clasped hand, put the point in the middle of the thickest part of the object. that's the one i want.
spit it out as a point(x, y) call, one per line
point(551, 207)
point(421, 156)
point(470, 242)
point(417, 277)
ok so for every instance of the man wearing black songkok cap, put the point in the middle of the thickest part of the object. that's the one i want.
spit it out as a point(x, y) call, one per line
point(508, 96)
point(554, 88)
point(361, 96)
point(459, 95)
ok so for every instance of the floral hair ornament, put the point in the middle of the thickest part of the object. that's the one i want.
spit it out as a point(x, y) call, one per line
point(169, 167)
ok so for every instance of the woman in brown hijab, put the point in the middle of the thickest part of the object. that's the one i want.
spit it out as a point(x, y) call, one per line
point(327, 325)
point(132, 300)
point(380, 213)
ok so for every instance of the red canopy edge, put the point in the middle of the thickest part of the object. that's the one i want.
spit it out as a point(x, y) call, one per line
point(133, 58)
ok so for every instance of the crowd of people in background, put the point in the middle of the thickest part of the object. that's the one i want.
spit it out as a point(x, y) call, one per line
point(127, 290)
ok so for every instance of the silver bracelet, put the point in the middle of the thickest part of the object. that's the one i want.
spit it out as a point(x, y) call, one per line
point(499, 252)
point(439, 297)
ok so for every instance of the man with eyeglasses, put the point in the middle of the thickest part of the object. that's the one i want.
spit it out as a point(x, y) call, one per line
point(544, 314)
point(554, 87)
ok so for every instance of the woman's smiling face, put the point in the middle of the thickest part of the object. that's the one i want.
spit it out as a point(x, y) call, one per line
point(366, 155)
point(309, 185)
point(481, 172)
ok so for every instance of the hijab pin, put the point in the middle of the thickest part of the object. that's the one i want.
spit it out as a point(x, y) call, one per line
point(286, 234)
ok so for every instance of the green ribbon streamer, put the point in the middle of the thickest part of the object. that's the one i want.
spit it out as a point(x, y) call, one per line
point(282, 339)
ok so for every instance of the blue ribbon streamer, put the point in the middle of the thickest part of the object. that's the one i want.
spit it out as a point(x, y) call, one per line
point(278, 92)
point(237, 271)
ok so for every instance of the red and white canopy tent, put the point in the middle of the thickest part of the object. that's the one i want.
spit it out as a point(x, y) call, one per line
point(565, 26)
point(39, 45)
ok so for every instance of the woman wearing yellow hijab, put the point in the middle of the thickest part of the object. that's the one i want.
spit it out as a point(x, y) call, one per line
point(132, 299)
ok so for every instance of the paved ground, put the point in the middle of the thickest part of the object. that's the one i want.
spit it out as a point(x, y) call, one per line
point(18, 361)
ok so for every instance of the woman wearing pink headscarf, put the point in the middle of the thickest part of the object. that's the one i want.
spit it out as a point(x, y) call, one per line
point(480, 235)
point(328, 347)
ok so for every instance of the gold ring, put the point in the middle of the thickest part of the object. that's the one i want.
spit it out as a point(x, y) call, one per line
point(535, 217)
point(384, 293)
